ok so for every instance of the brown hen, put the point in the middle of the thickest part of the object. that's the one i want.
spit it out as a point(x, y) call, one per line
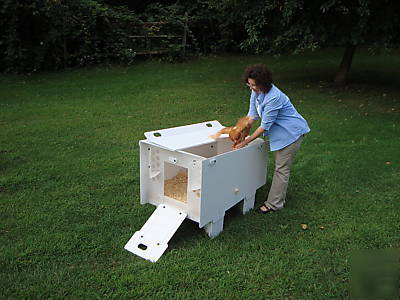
point(237, 133)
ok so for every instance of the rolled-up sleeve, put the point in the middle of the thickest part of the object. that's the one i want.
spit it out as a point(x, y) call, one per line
point(270, 112)
point(252, 108)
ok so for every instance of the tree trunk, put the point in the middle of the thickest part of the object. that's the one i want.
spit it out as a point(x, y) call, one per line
point(345, 65)
point(185, 32)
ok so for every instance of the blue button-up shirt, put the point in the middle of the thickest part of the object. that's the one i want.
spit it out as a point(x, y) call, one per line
point(279, 118)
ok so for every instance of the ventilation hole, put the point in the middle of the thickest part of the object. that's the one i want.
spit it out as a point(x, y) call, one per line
point(157, 134)
point(158, 244)
point(142, 247)
point(163, 206)
point(148, 149)
point(209, 125)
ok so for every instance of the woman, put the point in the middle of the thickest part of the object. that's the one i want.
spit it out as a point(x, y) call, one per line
point(281, 122)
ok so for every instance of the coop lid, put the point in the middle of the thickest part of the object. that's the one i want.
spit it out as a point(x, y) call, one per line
point(182, 137)
point(152, 240)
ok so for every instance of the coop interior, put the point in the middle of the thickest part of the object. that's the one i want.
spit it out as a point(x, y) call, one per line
point(217, 147)
point(176, 177)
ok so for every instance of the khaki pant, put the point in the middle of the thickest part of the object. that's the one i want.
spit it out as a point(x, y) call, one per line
point(283, 161)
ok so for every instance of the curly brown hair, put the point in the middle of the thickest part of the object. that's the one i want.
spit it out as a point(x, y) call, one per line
point(261, 75)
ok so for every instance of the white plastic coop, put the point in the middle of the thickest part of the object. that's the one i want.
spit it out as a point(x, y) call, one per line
point(186, 174)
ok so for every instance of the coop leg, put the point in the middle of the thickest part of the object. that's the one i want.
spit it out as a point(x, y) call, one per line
point(248, 203)
point(214, 228)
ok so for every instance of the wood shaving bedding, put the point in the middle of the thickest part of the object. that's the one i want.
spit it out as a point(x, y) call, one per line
point(176, 187)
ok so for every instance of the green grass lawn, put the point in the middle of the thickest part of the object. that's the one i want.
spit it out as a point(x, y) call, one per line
point(69, 181)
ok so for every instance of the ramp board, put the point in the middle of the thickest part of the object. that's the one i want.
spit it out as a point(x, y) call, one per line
point(152, 240)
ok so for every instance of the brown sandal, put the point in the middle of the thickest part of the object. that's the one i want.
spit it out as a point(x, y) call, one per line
point(267, 209)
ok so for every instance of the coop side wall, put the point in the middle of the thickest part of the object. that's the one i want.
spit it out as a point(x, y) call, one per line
point(152, 175)
point(230, 177)
point(144, 172)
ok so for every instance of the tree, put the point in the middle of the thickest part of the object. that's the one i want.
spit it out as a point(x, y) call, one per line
point(294, 25)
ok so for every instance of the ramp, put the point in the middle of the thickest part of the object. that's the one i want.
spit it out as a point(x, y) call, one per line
point(151, 241)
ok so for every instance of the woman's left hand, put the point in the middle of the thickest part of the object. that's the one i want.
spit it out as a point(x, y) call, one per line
point(240, 145)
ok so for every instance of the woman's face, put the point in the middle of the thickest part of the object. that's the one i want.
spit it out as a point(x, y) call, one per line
point(251, 83)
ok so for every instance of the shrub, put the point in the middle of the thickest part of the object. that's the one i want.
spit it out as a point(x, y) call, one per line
point(53, 34)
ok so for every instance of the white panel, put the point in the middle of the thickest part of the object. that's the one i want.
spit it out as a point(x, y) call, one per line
point(184, 136)
point(206, 151)
point(194, 179)
point(144, 171)
point(151, 188)
point(152, 240)
point(230, 177)
point(224, 145)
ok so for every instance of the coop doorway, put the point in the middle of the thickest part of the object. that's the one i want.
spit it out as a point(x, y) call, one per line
point(175, 182)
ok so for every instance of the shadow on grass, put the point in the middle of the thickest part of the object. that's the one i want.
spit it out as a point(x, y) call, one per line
point(189, 233)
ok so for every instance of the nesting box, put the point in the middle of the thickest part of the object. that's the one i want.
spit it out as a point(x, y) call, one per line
point(186, 174)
